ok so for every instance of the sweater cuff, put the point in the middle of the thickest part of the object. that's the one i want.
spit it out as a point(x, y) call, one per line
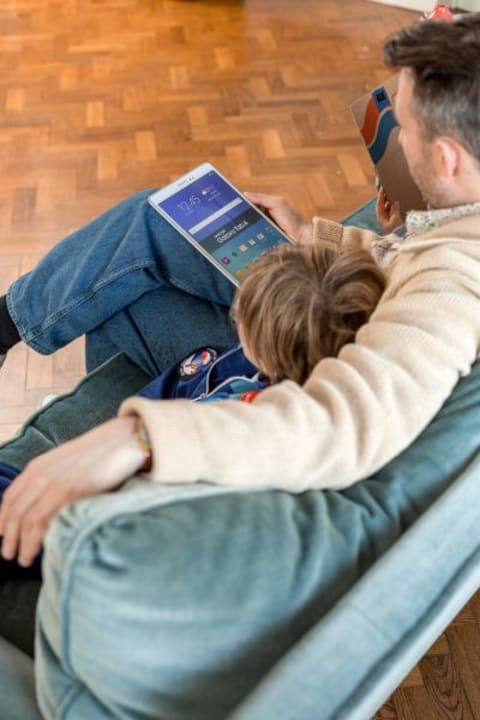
point(175, 420)
point(327, 230)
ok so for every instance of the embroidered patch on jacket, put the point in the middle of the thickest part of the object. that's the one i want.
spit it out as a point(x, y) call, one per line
point(196, 362)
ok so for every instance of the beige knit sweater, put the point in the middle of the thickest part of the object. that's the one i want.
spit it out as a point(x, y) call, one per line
point(357, 411)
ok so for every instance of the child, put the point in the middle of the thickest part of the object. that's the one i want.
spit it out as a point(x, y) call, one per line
point(299, 304)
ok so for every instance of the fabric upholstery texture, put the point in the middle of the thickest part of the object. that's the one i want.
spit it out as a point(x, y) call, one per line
point(16, 685)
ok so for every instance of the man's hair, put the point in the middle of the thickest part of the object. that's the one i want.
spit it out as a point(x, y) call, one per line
point(301, 303)
point(444, 59)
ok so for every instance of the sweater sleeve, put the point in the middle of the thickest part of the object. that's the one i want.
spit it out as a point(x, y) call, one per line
point(350, 237)
point(355, 412)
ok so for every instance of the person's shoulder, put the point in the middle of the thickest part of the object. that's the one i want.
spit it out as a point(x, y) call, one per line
point(442, 242)
point(456, 231)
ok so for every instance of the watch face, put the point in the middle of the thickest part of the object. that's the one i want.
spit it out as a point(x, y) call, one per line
point(141, 436)
point(196, 362)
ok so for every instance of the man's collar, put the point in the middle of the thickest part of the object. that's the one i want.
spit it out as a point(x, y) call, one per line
point(421, 221)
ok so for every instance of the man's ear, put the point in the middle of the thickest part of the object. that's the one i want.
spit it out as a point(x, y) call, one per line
point(447, 154)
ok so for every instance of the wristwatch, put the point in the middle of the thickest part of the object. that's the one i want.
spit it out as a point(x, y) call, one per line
point(141, 436)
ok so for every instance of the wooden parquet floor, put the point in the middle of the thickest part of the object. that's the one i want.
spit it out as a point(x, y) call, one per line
point(100, 98)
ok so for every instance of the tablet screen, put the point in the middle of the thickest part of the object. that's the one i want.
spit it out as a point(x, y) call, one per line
point(222, 222)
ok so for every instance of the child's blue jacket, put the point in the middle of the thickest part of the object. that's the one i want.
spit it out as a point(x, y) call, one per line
point(207, 375)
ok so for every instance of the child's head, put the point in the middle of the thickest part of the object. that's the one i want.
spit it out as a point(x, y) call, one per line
point(301, 303)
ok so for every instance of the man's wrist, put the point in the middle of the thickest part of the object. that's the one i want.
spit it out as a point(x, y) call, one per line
point(142, 439)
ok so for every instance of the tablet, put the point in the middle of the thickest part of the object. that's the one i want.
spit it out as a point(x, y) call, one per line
point(218, 221)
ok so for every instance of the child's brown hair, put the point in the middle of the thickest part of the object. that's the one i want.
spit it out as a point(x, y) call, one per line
point(301, 303)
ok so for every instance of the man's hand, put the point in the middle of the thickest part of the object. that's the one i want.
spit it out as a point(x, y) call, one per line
point(283, 215)
point(389, 216)
point(93, 463)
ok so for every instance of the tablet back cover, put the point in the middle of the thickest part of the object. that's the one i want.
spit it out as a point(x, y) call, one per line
point(373, 114)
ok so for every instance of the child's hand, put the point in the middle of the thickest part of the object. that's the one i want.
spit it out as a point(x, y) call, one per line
point(283, 215)
point(389, 216)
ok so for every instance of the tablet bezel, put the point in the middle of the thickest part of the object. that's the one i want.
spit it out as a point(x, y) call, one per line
point(183, 182)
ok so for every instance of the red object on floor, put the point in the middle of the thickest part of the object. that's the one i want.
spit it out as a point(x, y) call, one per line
point(440, 12)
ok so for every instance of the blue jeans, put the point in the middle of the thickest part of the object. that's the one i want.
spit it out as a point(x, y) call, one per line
point(129, 282)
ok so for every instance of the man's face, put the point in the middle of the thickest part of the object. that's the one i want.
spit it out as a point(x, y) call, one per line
point(416, 147)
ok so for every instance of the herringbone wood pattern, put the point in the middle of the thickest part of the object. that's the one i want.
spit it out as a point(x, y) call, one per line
point(100, 99)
